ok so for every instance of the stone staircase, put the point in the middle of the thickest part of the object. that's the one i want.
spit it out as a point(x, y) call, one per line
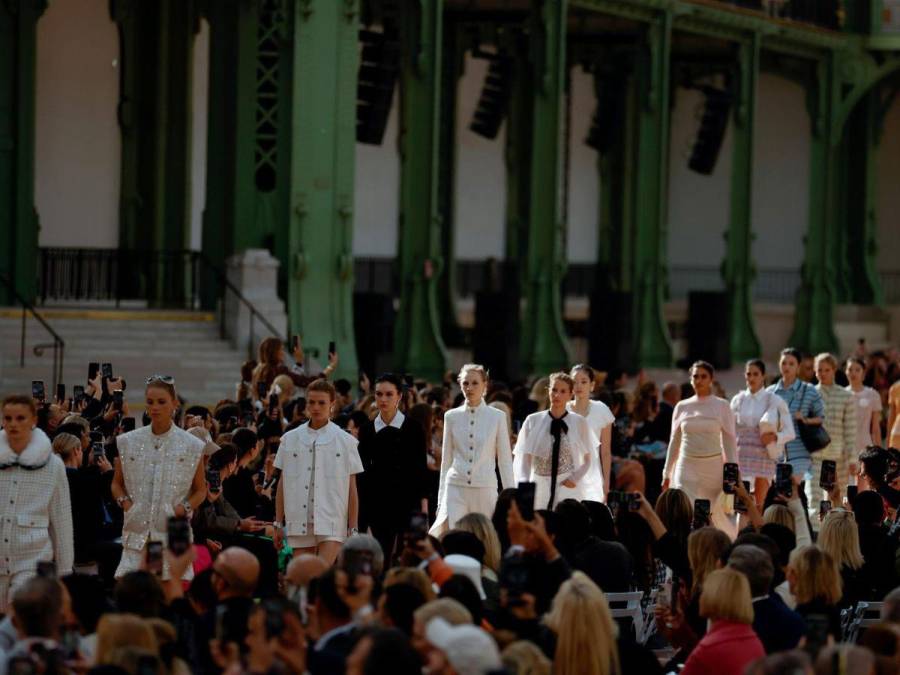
point(137, 343)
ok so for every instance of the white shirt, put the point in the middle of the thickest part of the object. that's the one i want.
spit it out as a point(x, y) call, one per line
point(35, 509)
point(473, 439)
point(750, 408)
point(336, 459)
point(599, 415)
point(397, 422)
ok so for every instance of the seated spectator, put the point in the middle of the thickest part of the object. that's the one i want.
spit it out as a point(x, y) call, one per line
point(412, 577)
point(397, 604)
point(853, 660)
point(384, 650)
point(116, 631)
point(463, 650)
point(878, 547)
point(37, 616)
point(794, 662)
point(452, 611)
point(482, 527)
point(778, 627)
point(331, 627)
point(838, 536)
point(815, 583)
point(525, 658)
point(239, 488)
point(730, 643)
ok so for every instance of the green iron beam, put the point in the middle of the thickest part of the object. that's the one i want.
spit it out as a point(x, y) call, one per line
point(18, 219)
point(544, 346)
point(316, 240)
point(817, 295)
point(738, 269)
point(418, 345)
point(650, 197)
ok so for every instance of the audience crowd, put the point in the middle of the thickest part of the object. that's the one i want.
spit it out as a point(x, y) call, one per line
point(305, 525)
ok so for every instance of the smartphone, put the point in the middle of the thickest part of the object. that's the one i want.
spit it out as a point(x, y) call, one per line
point(730, 477)
point(828, 477)
point(118, 400)
point(179, 531)
point(78, 392)
point(60, 393)
point(852, 490)
point(97, 451)
point(816, 633)
point(525, 499)
point(702, 511)
point(739, 505)
point(37, 390)
point(824, 507)
point(634, 501)
point(332, 349)
point(93, 369)
point(783, 483)
point(128, 424)
point(261, 477)
point(416, 528)
point(261, 390)
point(514, 579)
point(46, 569)
point(106, 371)
point(155, 557)
point(274, 619)
point(213, 480)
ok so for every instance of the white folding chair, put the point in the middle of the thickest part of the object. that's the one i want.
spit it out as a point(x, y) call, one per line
point(628, 605)
point(851, 619)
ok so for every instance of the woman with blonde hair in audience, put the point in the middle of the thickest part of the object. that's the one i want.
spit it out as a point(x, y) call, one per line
point(584, 629)
point(525, 658)
point(780, 515)
point(411, 576)
point(482, 527)
point(839, 537)
point(706, 547)
point(815, 583)
point(115, 631)
point(730, 644)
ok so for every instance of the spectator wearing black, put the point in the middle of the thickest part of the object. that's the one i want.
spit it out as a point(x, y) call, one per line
point(393, 453)
point(37, 615)
point(877, 545)
point(88, 482)
point(240, 487)
point(334, 628)
point(778, 627)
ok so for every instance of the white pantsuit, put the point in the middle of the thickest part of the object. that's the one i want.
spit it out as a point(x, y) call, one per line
point(475, 440)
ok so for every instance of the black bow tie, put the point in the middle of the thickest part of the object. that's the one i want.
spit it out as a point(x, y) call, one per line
point(557, 428)
point(27, 467)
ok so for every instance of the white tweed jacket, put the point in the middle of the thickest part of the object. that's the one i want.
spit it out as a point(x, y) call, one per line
point(35, 508)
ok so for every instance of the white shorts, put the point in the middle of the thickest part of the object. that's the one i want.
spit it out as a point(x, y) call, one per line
point(311, 540)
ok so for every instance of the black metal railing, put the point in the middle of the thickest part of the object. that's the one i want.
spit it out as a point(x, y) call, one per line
point(161, 279)
point(58, 345)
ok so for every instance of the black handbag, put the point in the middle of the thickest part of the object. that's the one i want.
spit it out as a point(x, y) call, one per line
point(813, 436)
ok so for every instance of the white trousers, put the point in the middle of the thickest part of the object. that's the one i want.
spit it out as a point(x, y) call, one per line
point(460, 500)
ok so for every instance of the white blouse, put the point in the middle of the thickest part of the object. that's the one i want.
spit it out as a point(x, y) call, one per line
point(534, 447)
point(599, 415)
point(749, 409)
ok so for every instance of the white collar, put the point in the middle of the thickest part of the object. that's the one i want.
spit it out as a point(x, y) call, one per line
point(468, 408)
point(316, 435)
point(759, 394)
point(397, 422)
point(35, 454)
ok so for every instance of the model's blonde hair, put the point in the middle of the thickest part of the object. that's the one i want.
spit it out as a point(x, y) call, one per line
point(115, 631)
point(560, 377)
point(472, 368)
point(826, 358)
point(706, 547)
point(726, 597)
point(815, 574)
point(780, 515)
point(482, 527)
point(840, 539)
point(584, 628)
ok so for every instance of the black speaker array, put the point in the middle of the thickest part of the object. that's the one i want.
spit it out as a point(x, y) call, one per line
point(609, 117)
point(379, 68)
point(493, 103)
point(716, 111)
point(495, 340)
point(707, 328)
point(611, 331)
point(373, 319)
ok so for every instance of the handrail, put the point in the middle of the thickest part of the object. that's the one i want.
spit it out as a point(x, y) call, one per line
point(254, 313)
point(59, 345)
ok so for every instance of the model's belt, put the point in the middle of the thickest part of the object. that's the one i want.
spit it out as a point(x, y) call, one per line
point(718, 454)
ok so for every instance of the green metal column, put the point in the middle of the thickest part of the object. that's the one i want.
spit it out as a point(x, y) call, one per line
point(451, 69)
point(543, 346)
point(318, 232)
point(813, 321)
point(18, 219)
point(738, 268)
point(418, 345)
point(861, 190)
point(230, 191)
point(650, 206)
